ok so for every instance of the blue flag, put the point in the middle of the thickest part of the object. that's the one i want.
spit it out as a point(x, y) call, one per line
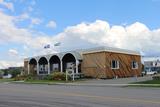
point(47, 46)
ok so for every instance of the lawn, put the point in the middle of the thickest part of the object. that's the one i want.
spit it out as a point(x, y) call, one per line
point(6, 80)
point(37, 81)
point(149, 83)
point(44, 81)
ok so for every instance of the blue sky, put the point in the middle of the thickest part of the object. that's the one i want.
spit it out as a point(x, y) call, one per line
point(27, 25)
point(70, 12)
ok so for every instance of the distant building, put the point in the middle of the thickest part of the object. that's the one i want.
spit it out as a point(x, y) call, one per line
point(99, 62)
point(152, 63)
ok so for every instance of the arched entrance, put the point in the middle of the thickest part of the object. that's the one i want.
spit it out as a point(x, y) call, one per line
point(69, 62)
point(33, 66)
point(54, 63)
point(43, 65)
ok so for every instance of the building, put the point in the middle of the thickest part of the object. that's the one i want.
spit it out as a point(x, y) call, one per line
point(151, 64)
point(151, 61)
point(99, 62)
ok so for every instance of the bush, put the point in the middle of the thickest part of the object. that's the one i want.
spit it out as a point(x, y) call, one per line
point(48, 77)
point(31, 77)
point(156, 77)
point(20, 77)
point(59, 76)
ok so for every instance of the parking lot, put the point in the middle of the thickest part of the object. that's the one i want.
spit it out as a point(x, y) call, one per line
point(27, 95)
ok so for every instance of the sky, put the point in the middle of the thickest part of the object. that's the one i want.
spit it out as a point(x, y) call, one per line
point(26, 26)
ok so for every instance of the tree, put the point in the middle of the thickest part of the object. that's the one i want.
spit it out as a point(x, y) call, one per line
point(15, 72)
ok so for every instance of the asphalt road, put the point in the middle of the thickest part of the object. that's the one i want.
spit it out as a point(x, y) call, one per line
point(23, 95)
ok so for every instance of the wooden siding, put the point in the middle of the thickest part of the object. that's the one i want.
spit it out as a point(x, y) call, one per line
point(93, 65)
point(125, 65)
point(98, 65)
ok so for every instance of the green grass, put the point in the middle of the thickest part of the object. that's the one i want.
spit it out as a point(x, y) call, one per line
point(43, 81)
point(38, 81)
point(149, 83)
point(6, 80)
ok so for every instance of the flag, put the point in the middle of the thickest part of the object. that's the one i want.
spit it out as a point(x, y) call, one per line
point(47, 46)
point(57, 44)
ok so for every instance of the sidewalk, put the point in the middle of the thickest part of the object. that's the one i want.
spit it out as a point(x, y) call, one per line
point(119, 80)
point(109, 82)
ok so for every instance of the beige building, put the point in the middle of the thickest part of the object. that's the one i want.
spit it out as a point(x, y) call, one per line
point(99, 62)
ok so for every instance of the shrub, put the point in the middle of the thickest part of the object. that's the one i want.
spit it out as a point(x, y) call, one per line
point(156, 77)
point(59, 76)
point(20, 77)
point(48, 77)
point(31, 77)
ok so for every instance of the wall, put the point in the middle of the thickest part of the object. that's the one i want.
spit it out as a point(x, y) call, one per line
point(25, 67)
point(125, 65)
point(98, 65)
point(93, 65)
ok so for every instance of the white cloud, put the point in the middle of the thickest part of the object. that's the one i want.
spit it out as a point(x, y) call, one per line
point(12, 52)
point(51, 24)
point(22, 17)
point(8, 5)
point(136, 36)
point(35, 21)
point(6, 64)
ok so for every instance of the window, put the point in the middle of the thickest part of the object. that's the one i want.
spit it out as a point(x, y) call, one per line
point(134, 65)
point(115, 64)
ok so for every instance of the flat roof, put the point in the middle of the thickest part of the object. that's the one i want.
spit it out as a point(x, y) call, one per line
point(109, 49)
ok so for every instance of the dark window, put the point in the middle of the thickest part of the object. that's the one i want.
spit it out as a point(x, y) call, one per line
point(115, 64)
point(134, 65)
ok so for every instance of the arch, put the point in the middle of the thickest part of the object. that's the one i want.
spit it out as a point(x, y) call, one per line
point(33, 61)
point(68, 60)
point(43, 65)
point(54, 62)
point(33, 66)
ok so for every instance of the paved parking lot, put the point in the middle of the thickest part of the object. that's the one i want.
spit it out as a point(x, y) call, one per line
point(27, 95)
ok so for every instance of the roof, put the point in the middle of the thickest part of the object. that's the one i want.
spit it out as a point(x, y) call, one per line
point(109, 49)
point(79, 52)
point(150, 59)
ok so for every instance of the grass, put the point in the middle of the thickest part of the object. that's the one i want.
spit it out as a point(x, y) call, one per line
point(44, 81)
point(6, 80)
point(149, 83)
point(38, 81)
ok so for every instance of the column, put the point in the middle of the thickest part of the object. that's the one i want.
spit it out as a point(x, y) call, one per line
point(28, 68)
point(77, 63)
point(37, 68)
point(61, 66)
point(49, 68)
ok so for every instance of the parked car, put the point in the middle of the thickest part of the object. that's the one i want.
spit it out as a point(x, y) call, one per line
point(150, 71)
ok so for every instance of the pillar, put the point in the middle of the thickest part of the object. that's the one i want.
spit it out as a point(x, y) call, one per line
point(77, 63)
point(61, 66)
point(28, 68)
point(49, 71)
point(37, 68)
